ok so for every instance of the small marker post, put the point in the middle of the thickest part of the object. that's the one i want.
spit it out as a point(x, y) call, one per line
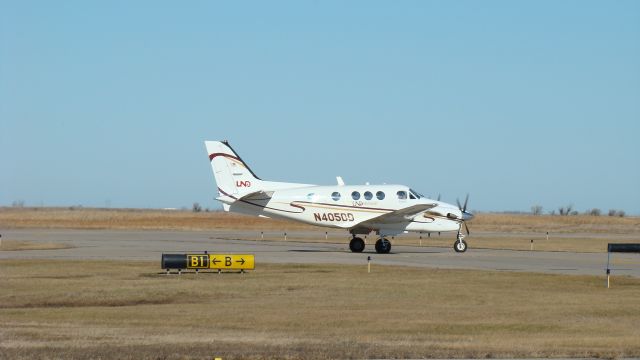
point(368, 264)
point(531, 244)
point(262, 235)
point(420, 239)
point(547, 236)
point(285, 236)
point(326, 235)
point(608, 274)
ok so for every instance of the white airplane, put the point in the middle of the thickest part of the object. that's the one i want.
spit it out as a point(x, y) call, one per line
point(388, 210)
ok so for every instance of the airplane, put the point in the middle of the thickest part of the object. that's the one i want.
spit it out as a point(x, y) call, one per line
point(387, 210)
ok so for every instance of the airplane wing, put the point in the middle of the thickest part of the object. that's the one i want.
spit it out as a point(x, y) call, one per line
point(400, 215)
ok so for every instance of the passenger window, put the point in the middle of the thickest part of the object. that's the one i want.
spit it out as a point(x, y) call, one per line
point(402, 195)
point(310, 196)
point(380, 195)
point(335, 196)
point(355, 195)
point(368, 195)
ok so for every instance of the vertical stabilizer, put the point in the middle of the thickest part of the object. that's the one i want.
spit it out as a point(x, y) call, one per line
point(233, 176)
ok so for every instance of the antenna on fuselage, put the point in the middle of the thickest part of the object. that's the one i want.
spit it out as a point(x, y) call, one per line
point(340, 181)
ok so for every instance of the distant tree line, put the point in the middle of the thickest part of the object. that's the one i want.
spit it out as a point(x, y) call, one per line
point(568, 210)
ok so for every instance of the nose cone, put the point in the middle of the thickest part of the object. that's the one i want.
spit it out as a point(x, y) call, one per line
point(466, 216)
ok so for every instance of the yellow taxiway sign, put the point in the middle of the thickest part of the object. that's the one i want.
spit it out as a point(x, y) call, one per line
point(232, 261)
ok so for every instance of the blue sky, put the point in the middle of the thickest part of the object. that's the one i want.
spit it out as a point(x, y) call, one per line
point(515, 102)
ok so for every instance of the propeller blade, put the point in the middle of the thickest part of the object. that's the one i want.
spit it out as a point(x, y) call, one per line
point(458, 202)
point(438, 199)
point(466, 200)
point(467, 228)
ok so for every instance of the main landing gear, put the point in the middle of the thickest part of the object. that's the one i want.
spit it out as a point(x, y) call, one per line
point(356, 245)
point(383, 246)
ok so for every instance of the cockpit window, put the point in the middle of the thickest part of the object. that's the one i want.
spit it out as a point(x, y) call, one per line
point(402, 195)
point(414, 194)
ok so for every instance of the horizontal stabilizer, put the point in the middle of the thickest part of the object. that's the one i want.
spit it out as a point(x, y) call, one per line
point(258, 195)
point(252, 196)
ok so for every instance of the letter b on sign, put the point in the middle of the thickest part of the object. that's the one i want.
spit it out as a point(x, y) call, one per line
point(227, 261)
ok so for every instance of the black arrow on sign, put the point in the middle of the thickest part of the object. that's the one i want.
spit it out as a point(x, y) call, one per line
point(241, 261)
point(215, 261)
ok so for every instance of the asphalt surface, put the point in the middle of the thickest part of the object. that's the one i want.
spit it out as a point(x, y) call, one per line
point(149, 245)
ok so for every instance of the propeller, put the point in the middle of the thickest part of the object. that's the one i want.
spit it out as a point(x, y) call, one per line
point(465, 215)
point(466, 227)
point(466, 201)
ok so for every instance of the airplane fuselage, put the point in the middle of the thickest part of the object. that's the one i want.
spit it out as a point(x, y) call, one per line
point(347, 206)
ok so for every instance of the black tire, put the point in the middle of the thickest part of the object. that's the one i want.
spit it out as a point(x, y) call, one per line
point(356, 245)
point(383, 246)
point(460, 246)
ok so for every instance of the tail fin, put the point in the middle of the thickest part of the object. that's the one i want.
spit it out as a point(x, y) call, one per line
point(233, 175)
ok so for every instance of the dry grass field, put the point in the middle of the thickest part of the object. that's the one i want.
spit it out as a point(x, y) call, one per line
point(493, 231)
point(118, 310)
point(50, 218)
point(134, 219)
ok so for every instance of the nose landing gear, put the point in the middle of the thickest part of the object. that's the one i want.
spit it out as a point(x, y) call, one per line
point(460, 245)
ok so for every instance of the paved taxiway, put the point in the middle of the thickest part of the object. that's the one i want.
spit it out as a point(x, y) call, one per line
point(149, 245)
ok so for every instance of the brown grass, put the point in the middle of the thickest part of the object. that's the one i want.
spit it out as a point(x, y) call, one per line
point(134, 219)
point(556, 224)
point(87, 218)
point(110, 309)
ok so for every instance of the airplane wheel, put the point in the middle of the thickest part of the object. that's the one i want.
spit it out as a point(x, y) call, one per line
point(460, 246)
point(383, 246)
point(356, 245)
